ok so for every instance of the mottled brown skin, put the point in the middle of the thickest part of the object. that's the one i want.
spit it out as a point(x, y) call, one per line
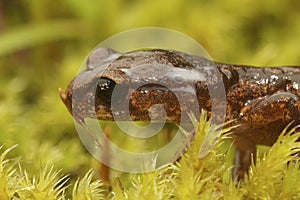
point(262, 100)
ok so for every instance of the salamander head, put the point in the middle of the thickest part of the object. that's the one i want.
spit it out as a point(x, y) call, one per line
point(140, 85)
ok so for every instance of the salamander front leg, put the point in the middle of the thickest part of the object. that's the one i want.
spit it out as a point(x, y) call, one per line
point(245, 150)
point(262, 120)
point(283, 107)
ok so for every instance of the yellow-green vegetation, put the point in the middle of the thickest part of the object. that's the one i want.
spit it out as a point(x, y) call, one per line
point(42, 45)
point(193, 177)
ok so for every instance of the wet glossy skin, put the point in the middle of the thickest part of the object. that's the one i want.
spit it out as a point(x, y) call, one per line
point(262, 100)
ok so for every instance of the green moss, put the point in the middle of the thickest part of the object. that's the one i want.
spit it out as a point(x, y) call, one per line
point(195, 176)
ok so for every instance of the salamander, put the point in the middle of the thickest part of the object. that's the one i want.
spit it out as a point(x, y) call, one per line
point(129, 86)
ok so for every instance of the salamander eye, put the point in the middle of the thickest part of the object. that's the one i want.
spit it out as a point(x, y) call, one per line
point(104, 90)
point(105, 84)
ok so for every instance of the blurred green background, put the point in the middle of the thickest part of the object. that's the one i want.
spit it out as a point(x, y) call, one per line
point(43, 43)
